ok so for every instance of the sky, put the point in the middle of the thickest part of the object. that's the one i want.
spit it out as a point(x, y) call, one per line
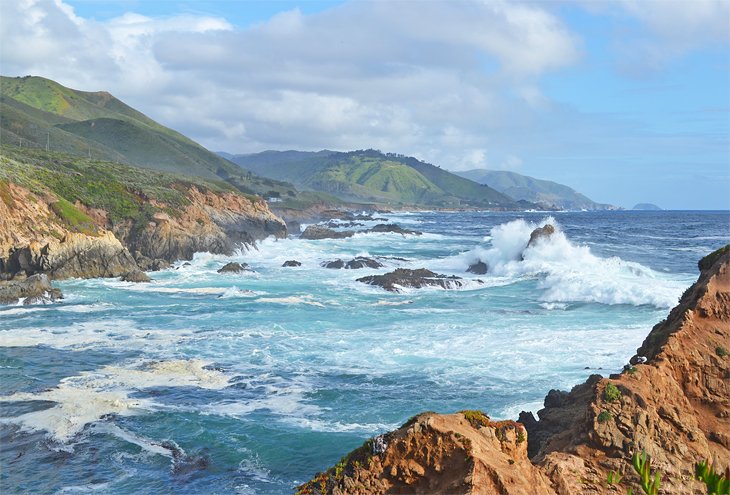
point(626, 101)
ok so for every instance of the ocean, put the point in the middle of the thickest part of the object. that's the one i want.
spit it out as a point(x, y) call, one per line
point(250, 383)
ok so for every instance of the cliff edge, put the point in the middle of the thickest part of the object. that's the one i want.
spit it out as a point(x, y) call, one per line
point(672, 402)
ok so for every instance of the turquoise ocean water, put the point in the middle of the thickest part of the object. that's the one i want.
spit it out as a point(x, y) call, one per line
point(250, 383)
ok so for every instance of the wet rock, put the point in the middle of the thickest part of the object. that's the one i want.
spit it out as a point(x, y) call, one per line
point(404, 277)
point(393, 228)
point(136, 276)
point(354, 264)
point(234, 267)
point(317, 232)
point(35, 289)
point(540, 233)
point(291, 263)
point(149, 265)
point(362, 262)
point(478, 268)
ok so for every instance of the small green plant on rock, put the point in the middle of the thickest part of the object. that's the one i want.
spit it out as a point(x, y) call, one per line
point(716, 483)
point(605, 417)
point(642, 465)
point(613, 478)
point(611, 393)
point(720, 351)
point(475, 418)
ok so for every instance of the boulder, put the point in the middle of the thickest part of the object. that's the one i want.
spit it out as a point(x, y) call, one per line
point(149, 265)
point(478, 268)
point(393, 228)
point(317, 232)
point(335, 264)
point(291, 263)
point(404, 277)
point(35, 289)
point(234, 267)
point(540, 233)
point(354, 264)
point(136, 276)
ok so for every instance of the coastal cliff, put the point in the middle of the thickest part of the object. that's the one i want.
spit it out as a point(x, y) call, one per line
point(69, 217)
point(671, 403)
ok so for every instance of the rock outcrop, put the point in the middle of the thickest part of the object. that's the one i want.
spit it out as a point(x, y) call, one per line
point(36, 289)
point(404, 277)
point(136, 276)
point(212, 222)
point(74, 241)
point(673, 404)
point(353, 264)
point(438, 454)
point(234, 267)
point(393, 229)
point(478, 268)
point(291, 263)
point(317, 232)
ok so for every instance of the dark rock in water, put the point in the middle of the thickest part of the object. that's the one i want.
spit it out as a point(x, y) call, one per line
point(35, 289)
point(183, 463)
point(234, 267)
point(478, 268)
point(336, 264)
point(317, 232)
point(136, 276)
point(403, 277)
point(539, 233)
point(353, 264)
point(393, 228)
point(362, 262)
point(333, 225)
point(292, 263)
point(148, 264)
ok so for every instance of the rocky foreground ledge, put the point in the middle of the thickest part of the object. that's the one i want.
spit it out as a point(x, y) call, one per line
point(673, 402)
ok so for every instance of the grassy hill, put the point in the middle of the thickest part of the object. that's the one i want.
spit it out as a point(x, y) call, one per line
point(543, 192)
point(36, 112)
point(372, 176)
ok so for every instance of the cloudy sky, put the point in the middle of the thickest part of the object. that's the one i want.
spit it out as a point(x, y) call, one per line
point(625, 100)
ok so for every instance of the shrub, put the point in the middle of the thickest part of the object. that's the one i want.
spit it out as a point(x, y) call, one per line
point(720, 351)
point(605, 417)
point(475, 418)
point(611, 393)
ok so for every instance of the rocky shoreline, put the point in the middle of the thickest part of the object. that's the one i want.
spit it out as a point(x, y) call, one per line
point(671, 402)
point(35, 238)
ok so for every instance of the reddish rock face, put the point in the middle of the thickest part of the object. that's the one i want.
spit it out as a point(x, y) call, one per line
point(674, 406)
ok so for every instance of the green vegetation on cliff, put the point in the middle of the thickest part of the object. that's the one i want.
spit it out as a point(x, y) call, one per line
point(122, 191)
point(37, 113)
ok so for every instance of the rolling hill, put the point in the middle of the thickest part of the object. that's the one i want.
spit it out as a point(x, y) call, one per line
point(543, 192)
point(372, 176)
point(37, 113)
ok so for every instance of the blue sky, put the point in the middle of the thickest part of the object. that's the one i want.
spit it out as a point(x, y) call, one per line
point(625, 101)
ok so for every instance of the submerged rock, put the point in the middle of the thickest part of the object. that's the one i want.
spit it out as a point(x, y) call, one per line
point(137, 276)
point(234, 267)
point(393, 228)
point(317, 232)
point(404, 277)
point(478, 268)
point(291, 263)
point(35, 289)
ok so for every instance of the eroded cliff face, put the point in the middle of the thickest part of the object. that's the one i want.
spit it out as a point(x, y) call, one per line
point(81, 242)
point(675, 406)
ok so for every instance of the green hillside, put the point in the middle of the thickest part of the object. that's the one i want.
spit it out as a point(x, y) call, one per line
point(372, 176)
point(37, 113)
point(543, 192)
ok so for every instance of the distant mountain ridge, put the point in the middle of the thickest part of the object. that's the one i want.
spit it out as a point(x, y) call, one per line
point(543, 192)
point(373, 176)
